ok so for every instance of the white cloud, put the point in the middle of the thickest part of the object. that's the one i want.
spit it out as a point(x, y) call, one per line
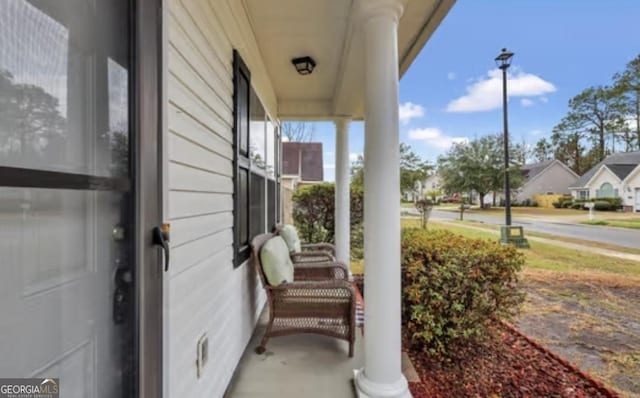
point(536, 132)
point(354, 156)
point(433, 137)
point(451, 76)
point(409, 111)
point(329, 166)
point(526, 102)
point(544, 99)
point(486, 94)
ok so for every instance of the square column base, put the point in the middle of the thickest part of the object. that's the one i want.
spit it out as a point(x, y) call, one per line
point(368, 389)
point(513, 235)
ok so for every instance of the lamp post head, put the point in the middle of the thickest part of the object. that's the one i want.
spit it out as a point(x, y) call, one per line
point(503, 60)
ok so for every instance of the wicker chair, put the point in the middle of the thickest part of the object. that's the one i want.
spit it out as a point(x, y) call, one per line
point(311, 252)
point(320, 300)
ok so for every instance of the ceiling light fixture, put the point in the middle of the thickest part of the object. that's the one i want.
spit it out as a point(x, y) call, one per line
point(304, 65)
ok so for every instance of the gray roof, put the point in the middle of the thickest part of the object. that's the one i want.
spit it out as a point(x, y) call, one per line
point(621, 170)
point(533, 169)
point(621, 164)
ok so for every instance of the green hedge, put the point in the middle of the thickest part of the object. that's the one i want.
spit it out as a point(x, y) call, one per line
point(314, 215)
point(453, 286)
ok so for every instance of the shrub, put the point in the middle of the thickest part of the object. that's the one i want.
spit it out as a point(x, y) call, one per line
point(548, 200)
point(602, 205)
point(314, 214)
point(615, 202)
point(566, 204)
point(557, 204)
point(453, 286)
point(577, 206)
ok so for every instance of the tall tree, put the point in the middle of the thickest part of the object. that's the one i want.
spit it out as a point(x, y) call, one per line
point(357, 172)
point(628, 85)
point(412, 169)
point(543, 150)
point(31, 125)
point(297, 131)
point(568, 148)
point(477, 166)
point(597, 113)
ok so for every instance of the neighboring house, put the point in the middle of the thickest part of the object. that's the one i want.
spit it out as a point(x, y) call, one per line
point(301, 163)
point(618, 175)
point(547, 177)
point(431, 183)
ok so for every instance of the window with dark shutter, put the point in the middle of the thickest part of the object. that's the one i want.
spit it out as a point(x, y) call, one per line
point(256, 143)
point(242, 162)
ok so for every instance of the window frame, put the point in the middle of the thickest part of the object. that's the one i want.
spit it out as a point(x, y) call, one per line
point(243, 163)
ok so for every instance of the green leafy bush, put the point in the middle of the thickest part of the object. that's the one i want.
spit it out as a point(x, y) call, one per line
point(557, 204)
point(602, 205)
point(453, 286)
point(314, 215)
point(577, 206)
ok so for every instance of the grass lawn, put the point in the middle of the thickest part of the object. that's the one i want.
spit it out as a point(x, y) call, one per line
point(633, 222)
point(544, 257)
point(407, 205)
point(547, 257)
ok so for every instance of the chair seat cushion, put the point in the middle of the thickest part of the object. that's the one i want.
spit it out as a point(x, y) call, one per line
point(276, 263)
point(290, 235)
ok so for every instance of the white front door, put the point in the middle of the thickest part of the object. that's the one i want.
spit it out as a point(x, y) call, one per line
point(66, 220)
point(637, 201)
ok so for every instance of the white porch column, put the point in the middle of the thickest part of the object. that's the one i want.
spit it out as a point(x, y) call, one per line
point(382, 375)
point(342, 202)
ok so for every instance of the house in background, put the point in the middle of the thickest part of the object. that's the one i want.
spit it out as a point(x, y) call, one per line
point(431, 183)
point(154, 131)
point(618, 175)
point(302, 163)
point(542, 178)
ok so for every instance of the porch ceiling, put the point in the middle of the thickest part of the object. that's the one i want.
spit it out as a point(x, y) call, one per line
point(328, 31)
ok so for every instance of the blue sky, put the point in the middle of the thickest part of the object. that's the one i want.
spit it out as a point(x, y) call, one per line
point(452, 92)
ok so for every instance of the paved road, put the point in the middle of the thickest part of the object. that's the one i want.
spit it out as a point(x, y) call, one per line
point(614, 236)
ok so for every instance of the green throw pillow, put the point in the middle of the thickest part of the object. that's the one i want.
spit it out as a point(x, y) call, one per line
point(276, 263)
point(290, 235)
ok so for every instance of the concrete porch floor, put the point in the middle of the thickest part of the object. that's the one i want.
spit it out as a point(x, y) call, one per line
point(303, 365)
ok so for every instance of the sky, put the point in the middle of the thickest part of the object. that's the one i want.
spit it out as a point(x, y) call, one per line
point(453, 92)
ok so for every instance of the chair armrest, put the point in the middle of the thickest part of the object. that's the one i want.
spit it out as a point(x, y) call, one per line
point(312, 257)
point(320, 271)
point(327, 247)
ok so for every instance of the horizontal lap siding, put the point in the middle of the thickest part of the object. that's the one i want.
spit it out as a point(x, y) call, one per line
point(205, 294)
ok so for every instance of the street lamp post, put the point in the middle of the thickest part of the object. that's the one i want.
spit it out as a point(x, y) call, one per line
point(504, 61)
point(509, 234)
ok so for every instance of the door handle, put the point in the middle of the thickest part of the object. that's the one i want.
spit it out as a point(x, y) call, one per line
point(161, 238)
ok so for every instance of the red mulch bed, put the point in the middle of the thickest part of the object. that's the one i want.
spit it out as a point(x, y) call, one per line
point(512, 365)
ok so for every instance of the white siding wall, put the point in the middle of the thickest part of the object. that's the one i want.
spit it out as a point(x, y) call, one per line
point(629, 194)
point(205, 294)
